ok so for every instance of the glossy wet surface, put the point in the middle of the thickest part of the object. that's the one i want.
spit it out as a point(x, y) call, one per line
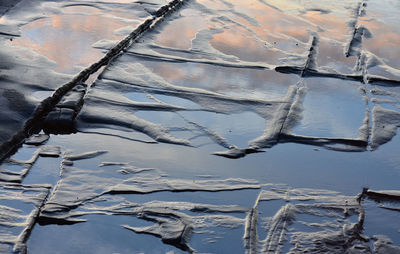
point(228, 127)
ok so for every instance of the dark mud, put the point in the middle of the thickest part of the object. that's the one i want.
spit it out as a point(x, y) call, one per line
point(65, 116)
point(234, 81)
point(18, 220)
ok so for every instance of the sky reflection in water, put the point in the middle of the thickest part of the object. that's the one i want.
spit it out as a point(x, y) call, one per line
point(331, 108)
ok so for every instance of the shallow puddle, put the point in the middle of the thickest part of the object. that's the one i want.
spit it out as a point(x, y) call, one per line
point(67, 38)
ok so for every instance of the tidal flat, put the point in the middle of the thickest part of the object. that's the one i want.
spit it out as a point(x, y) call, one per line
point(199, 126)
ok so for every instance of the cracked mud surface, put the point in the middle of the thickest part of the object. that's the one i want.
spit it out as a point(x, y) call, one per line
point(199, 126)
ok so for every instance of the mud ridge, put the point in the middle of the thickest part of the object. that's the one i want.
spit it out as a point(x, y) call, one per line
point(13, 218)
point(385, 123)
point(311, 62)
point(20, 245)
point(383, 195)
point(272, 134)
point(382, 81)
point(359, 32)
point(235, 153)
point(172, 227)
point(317, 73)
point(325, 142)
point(310, 68)
point(250, 237)
point(176, 59)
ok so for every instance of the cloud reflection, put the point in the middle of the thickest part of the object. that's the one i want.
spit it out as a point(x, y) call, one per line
point(67, 39)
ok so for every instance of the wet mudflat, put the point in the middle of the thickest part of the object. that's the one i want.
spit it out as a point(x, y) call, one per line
point(208, 127)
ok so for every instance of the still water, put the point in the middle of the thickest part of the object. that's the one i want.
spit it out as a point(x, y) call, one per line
point(150, 168)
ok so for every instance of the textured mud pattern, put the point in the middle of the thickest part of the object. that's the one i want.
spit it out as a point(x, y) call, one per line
point(199, 126)
point(282, 219)
point(128, 74)
point(282, 113)
point(16, 223)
